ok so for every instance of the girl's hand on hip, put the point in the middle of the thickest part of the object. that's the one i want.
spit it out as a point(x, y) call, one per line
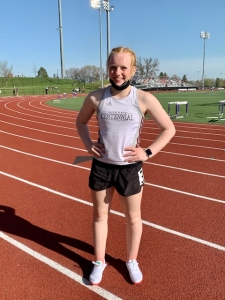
point(135, 154)
point(97, 150)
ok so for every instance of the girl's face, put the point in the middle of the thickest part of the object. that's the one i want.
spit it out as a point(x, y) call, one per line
point(121, 68)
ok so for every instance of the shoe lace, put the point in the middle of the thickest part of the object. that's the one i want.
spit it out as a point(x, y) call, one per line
point(133, 265)
point(97, 263)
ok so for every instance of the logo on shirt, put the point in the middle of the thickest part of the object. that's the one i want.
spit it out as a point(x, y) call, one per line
point(119, 116)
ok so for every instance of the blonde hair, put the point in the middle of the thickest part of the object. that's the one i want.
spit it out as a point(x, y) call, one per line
point(122, 50)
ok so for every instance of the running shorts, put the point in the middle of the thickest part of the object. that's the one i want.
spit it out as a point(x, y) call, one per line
point(127, 179)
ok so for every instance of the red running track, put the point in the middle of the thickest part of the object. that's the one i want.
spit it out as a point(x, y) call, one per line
point(46, 211)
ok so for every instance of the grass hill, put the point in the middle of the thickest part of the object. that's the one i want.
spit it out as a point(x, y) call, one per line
point(36, 86)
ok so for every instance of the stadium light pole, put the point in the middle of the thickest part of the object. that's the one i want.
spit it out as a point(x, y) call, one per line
point(108, 9)
point(204, 35)
point(96, 4)
point(61, 39)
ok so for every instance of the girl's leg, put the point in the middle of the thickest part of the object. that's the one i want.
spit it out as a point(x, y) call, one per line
point(132, 210)
point(101, 206)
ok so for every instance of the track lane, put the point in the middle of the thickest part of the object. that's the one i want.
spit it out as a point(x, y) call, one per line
point(68, 180)
point(187, 206)
point(169, 254)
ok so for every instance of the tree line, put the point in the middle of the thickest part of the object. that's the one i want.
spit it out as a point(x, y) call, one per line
point(146, 68)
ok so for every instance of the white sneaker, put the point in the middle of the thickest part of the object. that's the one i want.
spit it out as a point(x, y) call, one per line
point(96, 275)
point(134, 271)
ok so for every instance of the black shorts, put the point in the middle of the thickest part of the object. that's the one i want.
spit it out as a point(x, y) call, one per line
point(127, 179)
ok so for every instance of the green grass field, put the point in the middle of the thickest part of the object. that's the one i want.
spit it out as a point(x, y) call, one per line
point(36, 86)
point(201, 105)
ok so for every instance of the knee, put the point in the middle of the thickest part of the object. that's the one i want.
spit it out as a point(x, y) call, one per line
point(100, 216)
point(134, 219)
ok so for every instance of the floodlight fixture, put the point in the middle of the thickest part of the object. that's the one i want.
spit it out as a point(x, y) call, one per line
point(96, 4)
point(204, 35)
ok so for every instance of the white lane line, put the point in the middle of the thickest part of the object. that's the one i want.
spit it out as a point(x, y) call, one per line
point(45, 113)
point(44, 131)
point(34, 116)
point(185, 170)
point(201, 139)
point(49, 124)
point(77, 166)
point(197, 146)
point(147, 183)
point(185, 193)
point(96, 133)
point(44, 158)
point(40, 141)
point(193, 156)
point(55, 133)
point(174, 232)
point(181, 154)
point(189, 145)
point(79, 279)
point(186, 131)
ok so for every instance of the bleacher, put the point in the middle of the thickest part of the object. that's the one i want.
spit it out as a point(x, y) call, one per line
point(153, 84)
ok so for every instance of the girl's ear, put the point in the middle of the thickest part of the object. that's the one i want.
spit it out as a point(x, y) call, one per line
point(134, 70)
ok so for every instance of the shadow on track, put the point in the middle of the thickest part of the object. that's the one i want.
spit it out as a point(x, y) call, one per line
point(13, 224)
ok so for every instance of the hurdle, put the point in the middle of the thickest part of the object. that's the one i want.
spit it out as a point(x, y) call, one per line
point(58, 100)
point(177, 109)
point(220, 112)
point(221, 108)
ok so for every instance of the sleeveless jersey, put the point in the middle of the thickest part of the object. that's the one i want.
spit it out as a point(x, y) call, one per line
point(120, 122)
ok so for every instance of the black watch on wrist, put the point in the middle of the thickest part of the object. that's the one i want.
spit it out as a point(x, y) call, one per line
point(148, 152)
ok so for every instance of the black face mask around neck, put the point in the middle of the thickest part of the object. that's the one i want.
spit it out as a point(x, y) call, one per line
point(120, 87)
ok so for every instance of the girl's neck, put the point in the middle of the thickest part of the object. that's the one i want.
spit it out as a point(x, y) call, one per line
point(120, 94)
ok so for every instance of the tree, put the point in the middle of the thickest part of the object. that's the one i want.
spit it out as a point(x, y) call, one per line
point(151, 66)
point(147, 67)
point(5, 71)
point(209, 82)
point(175, 77)
point(34, 69)
point(87, 73)
point(163, 75)
point(184, 79)
point(42, 73)
point(140, 67)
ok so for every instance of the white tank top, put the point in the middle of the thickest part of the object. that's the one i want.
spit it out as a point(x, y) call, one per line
point(120, 122)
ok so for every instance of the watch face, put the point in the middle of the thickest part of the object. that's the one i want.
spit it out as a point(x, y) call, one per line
point(148, 152)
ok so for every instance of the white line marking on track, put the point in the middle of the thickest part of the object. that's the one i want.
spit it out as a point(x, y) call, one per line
point(147, 183)
point(162, 151)
point(174, 232)
point(46, 113)
point(40, 141)
point(79, 279)
point(45, 158)
point(35, 116)
point(76, 166)
point(185, 193)
point(185, 170)
point(194, 156)
point(39, 130)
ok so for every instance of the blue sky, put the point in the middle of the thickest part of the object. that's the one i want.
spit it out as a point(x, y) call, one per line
point(168, 30)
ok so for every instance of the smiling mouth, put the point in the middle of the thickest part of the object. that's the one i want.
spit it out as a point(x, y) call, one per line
point(118, 81)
